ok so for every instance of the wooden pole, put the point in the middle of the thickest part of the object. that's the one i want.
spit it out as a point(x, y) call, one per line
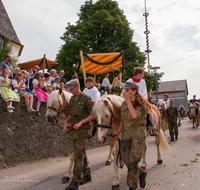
point(120, 78)
point(83, 67)
point(44, 63)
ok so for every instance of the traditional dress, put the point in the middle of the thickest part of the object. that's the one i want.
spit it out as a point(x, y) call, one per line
point(40, 94)
point(47, 84)
point(167, 101)
point(6, 93)
point(92, 92)
point(106, 82)
point(16, 84)
point(55, 85)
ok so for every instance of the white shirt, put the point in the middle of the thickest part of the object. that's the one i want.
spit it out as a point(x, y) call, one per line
point(15, 84)
point(35, 82)
point(142, 87)
point(55, 85)
point(92, 92)
point(106, 83)
point(167, 102)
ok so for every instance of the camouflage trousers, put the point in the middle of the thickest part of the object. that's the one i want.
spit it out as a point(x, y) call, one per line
point(173, 129)
point(80, 159)
point(132, 151)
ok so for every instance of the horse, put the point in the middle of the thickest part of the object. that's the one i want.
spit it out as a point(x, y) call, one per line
point(164, 116)
point(194, 114)
point(182, 113)
point(107, 112)
point(58, 103)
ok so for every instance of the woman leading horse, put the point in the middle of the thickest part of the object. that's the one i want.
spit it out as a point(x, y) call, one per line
point(133, 126)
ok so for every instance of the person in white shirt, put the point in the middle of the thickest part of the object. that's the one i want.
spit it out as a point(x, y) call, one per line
point(138, 73)
point(166, 100)
point(106, 81)
point(91, 90)
point(56, 85)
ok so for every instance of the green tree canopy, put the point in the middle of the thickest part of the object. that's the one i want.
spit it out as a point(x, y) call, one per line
point(102, 27)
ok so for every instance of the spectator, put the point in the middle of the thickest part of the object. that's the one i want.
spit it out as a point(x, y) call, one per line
point(103, 90)
point(52, 77)
point(106, 81)
point(74, 77)
point(62, 86)
point(25, 77)
point(30, 73)
point(56, 85)
point(47, 86)
point(36, 69)
point(62, 79)
point(7, 64)
point(38, 84)
point(15, 71)
point(19, 84)
point(7, 94)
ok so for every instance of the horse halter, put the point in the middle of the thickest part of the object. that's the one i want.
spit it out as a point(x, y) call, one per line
point(106, 126)
point(57, 110)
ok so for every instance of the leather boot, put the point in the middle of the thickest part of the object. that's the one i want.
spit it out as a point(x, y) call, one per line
point(154, 131)
point(142, 178)
point(176, 137)
point(72, 186)
point(85, 179)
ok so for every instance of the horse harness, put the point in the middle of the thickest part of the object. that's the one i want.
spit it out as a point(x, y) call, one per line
point(57, 110)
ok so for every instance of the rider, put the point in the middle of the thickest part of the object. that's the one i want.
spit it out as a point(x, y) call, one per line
point(166, 100)
point(181, 107)
point(138, 73)
point(192, 101)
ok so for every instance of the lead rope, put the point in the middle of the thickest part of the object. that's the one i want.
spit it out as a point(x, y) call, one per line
point(119, 161)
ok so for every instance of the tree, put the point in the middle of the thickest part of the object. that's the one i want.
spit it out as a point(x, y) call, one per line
point(102, 27)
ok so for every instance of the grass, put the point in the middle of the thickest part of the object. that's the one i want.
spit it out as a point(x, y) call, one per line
point(67, 152)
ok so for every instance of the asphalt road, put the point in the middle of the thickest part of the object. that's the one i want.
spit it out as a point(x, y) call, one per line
point(179, 171)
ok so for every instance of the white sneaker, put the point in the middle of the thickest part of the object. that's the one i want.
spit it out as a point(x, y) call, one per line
point(10, 110)
point(10, 107)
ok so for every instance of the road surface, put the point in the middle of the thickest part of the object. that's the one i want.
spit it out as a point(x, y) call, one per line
point(179, 171)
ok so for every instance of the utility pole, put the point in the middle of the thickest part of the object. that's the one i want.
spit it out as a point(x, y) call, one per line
point(147, 37)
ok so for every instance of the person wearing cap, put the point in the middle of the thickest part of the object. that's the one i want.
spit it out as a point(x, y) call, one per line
point(166, 100)
point(80, 112)
point(134, 111)
point(138, 73)
point(173, 113)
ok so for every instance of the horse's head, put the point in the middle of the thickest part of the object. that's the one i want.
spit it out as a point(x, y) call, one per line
point(56, 104)
point(105, 112)
point(161, 105)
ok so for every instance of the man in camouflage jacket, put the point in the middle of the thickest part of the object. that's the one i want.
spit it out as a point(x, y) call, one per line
point(80, 113)
point(173, 113)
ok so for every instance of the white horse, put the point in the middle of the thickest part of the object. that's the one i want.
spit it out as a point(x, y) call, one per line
point(107, 112)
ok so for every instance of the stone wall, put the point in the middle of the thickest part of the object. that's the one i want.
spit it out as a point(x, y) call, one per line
point(26, 137)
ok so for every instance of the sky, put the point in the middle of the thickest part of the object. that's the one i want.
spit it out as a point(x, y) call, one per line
point(174, 32)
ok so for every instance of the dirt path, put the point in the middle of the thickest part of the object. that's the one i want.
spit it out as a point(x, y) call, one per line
point(179, 171)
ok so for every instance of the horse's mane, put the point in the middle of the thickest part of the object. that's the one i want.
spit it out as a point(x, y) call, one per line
point(100, 109)
point(54, 97)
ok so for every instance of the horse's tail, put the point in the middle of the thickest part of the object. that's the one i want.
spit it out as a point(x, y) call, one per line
point(163, 141)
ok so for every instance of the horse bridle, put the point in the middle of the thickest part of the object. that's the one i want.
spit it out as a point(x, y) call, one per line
point(106, 126)
point(57, 110)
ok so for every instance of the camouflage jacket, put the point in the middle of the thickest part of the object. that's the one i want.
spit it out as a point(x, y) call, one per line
point(172, 112)
point(80, 109)
point(133, 128)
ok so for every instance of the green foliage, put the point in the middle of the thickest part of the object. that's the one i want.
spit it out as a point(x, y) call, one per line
point(102, 27)
point(67, 152)
point(7, 49)
point(116, 89)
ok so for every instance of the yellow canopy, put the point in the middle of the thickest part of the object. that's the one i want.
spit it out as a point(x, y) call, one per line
point(95, 69)
point(28, 64)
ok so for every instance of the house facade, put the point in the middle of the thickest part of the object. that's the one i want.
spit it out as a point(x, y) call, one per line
point(7, 31)
point(177, 91)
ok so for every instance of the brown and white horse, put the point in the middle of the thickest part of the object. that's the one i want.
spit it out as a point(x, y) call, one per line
point(107, 111)
point(193, 116)
point(164, 116)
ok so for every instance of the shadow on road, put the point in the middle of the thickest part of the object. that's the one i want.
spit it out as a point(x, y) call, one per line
point(196, 138)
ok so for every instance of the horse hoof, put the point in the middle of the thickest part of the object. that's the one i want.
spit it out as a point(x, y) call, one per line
point(108, 163)
point(143, 168)
point(159, 162)
point(65, 179)
point(115, 187)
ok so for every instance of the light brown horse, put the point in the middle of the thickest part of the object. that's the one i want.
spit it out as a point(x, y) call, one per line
point(164, 116)
point(107, 109)
point(58, 103)
point(193, 116)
